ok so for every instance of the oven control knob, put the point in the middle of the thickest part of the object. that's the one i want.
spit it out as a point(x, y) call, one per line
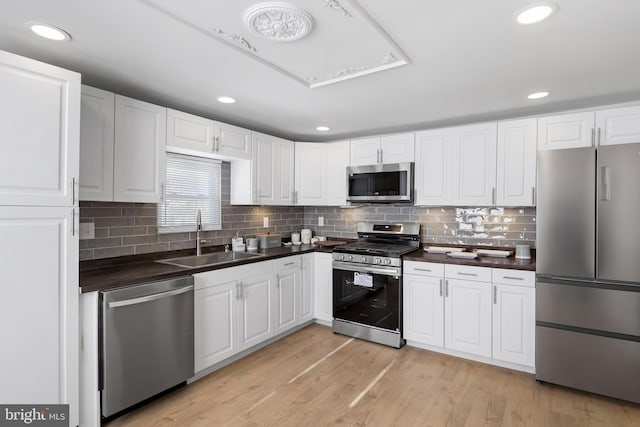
point(377, 260)
point(350, 257)
point(340, 257)
point(363, 259)
point(387, 261)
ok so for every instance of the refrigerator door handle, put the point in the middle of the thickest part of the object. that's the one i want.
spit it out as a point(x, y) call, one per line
point(605, 184)
point(593, 137)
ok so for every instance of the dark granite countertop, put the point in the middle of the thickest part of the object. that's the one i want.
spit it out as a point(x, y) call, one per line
point(111, 273)
point(482, 261)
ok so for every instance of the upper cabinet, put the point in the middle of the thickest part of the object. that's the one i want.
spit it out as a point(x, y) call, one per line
point(39, 136)
point(516, 168)
point(140, 134)
point(321, 173)
point(273, 171)
point(96, 146)
point(196, 135)
point(456, 166)
point(396, 148)
point(602, 127)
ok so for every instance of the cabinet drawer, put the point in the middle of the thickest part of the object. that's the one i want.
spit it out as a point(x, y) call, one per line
point(465, 272)
point(287, 262)
point(514, 277)
point(424, 268)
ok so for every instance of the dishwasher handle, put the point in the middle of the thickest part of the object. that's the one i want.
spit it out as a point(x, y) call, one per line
point(152, 297)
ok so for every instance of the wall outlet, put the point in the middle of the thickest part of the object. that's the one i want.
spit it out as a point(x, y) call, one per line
point(265, 221)
point(87, 230)
point(321, 221)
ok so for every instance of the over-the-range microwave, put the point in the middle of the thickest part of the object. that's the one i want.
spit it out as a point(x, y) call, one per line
point(382, 183)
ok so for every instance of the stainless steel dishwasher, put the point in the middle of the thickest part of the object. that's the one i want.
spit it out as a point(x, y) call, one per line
point(146, 341)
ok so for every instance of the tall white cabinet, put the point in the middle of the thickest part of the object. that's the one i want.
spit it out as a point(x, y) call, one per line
point(516, 168)
point(321, 173)
point(273, 170)
point(39, 140)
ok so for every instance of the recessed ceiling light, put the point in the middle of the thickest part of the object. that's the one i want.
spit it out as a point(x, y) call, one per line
point(536, 13)
point(538, 95)
point(323, 128)
point(226, 99)
point(49, 31)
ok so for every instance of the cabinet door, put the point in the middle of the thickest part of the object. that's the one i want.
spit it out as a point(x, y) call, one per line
point(189, 132)
point(273, 178)
point(256, 321)
point(335, 175)
point(288, 282)
point(96, 144)
point(467, 322)
point(214, 324)
point(40, 132)
point(323, 287)
point(310, 171)
point(514, 324)
point(39, 307)
point(475, 178)
point(516, 169)
point(434, 167)
point(305, 296)
point(286, 194)
point(365, 151)
point(397, 148)
point(423, 304)
point(566, 131)
point(618, 125)
point(233, 141)
point(140, 134)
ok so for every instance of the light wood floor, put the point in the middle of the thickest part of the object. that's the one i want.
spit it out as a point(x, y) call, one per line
point(417, 388)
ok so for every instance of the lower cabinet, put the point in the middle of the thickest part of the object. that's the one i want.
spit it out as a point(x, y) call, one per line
point(288, 280)
point(306, 295)
point(256, 306)
point(323, 288)
point(479, 311)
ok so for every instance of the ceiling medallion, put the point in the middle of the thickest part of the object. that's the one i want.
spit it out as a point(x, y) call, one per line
point(277, 21)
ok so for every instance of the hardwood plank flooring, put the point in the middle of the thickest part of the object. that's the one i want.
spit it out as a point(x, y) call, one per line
point(297, 382)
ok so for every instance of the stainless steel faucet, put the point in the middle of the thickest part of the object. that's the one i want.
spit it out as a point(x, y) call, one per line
point(198, 230)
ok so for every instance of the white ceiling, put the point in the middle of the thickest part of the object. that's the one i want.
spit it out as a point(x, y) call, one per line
point(466, 60)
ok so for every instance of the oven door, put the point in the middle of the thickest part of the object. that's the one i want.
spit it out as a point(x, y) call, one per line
point(368, 295)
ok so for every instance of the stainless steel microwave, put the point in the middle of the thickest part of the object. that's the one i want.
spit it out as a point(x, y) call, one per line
point(390, 183)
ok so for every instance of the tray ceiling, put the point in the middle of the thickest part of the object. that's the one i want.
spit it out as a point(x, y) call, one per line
point(315, 42)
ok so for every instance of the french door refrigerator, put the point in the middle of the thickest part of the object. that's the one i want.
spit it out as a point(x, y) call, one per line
point(588, 270)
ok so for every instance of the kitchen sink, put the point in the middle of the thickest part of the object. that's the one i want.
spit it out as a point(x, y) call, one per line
point(196, 261)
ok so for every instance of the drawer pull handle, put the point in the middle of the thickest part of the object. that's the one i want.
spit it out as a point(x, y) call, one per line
point(512, 278)
point(467, 274)
point(422, 269)
point(289, 263)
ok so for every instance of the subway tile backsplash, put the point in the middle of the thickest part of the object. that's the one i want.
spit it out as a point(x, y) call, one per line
point(130, 228)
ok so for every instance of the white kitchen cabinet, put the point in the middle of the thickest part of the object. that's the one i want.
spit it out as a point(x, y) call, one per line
point(321, 173)
point(256, 308)
point(618, 125)
point(288, 287)
point(456, 166)
point(516, 163)
point(423, 303)
point(566, 131)
point(39, 136)
point(514, 316)
point(233, 142)
point(39, 361)
point(395, 148)
point(467, 310)
point(305, 299)
point(190, 132)
point(323, 288)
point(97, 124)
point(273, 171)
point(140, 134)
point(215, 311)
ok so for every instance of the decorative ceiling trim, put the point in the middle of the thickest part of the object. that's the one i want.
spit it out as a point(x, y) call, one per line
point(276, 21)
point(240, 41)
point(387, 62)
point(334, 5)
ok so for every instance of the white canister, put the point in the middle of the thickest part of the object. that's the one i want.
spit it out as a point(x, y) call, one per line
point(523, 252)
point(235, 241)
point(305, 235)
point(252, 244)
point(295, 238)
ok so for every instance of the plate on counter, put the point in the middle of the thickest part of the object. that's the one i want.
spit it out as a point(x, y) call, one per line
point(442, 249)
point(463, 255)
point(493, 252)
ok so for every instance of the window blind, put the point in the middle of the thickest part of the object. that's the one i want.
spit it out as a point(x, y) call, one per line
point(191, 183)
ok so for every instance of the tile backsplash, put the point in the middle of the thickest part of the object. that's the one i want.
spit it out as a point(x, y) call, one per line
point(130, 228)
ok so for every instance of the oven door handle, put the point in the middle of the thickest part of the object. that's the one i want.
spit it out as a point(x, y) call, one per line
point(366, 269)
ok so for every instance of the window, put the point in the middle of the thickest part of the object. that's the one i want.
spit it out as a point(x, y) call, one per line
point(192, 183)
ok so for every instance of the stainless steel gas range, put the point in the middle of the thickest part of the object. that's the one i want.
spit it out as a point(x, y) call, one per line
point(367, 282)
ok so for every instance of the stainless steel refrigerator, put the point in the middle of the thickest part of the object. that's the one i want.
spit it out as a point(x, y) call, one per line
point(588, 270)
